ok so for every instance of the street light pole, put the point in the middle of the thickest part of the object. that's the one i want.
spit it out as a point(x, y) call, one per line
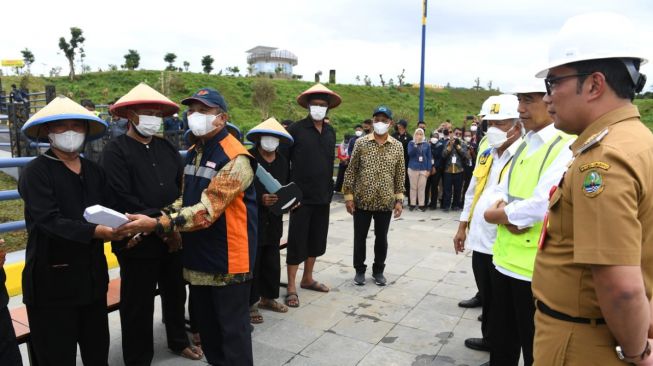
point(421, 79)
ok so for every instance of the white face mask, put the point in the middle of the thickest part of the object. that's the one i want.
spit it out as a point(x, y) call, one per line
point(473, 128)
point(358, 133)
point(496, 137)
point(148, 125)
point(381, 128)
point(201, 124)
point(468, 138)
point(434, 140)
point(317, 112)
point(269, 143)
point(69, 141)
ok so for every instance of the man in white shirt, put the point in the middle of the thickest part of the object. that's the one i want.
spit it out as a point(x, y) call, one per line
point(503, 138)
point(537, 166)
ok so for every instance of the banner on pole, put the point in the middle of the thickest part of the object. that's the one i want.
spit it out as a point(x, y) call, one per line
point(13, 63)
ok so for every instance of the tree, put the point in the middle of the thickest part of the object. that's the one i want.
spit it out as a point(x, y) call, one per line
point(207, 64)
point(367, 80)
point(233, 70)
point(358, 78)
point(28, 58)
point(489, 85)
point(186, 65)
point(55, 71)
point(477, 83)
point(264, 94)
point(170, 59)
point(70, 48)
point(401, 77)
point(382, 81)
point(132, 60)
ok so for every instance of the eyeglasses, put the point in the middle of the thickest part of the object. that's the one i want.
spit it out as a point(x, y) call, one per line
point(551, 82)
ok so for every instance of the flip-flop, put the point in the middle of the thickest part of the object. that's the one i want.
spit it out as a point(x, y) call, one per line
point(316, 286)
point(289, 301)
point(191, 353)
point(273, 305)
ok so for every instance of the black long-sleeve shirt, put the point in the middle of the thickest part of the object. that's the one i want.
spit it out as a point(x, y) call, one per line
point(311, 161)
point(64, 264)
point(144, 178)
point(270, 226)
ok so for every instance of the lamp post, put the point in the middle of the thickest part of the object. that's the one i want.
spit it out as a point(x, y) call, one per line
point(421, 79)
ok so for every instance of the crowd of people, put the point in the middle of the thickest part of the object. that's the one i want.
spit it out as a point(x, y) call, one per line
point(553, 182)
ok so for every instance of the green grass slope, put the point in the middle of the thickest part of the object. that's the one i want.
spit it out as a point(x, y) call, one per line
point(358, 101)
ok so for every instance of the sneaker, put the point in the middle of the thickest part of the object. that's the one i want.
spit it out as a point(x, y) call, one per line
point(411, 208)
point(359, 279)
point(423, 208)
point(379, 279)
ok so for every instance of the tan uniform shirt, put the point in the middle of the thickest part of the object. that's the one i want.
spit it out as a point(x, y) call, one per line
point(601, 214)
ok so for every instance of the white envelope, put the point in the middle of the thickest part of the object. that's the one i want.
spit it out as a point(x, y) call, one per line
point(101, 215)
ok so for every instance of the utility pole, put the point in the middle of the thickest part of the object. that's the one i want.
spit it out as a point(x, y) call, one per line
point(421, 79)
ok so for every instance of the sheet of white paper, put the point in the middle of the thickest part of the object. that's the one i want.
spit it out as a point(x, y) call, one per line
point(101, 215)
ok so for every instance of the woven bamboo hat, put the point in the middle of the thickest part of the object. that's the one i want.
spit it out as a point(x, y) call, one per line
point(62, 108)
point(143, 95)
point(270, 127)
point(334, 99)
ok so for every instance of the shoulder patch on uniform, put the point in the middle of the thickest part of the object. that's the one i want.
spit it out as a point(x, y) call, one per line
point(484, 156)
point(595, 164)
point(592, 141)
point(593, 183)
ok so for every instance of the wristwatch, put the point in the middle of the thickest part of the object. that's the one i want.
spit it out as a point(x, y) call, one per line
point(633, 359)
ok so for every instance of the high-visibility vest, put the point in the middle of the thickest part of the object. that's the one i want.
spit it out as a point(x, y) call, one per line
point(516, 253)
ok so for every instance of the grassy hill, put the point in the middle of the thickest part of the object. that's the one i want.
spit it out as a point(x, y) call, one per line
point(358, 101)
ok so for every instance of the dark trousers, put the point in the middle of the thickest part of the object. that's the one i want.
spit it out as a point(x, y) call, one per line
point(9, 353)
point(223, 319)
point(483, 267)
point(512, 326)
point(139, 279)
point(467, 178)
point(267, 274)
point(452, 185)
point(192, 317)
point(341, 177)
point(362, 221)
point(55, 332)
point(432, 188)
point(406, 180)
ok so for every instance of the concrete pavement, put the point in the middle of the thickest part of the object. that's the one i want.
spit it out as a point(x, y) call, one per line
point(414, 320)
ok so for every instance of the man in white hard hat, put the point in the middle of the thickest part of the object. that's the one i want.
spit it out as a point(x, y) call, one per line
point(593, 274)
point(538, 164)
point(504, 138)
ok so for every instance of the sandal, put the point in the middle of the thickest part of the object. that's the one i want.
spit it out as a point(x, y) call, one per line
point(255, 316)
point(292, 300)
point(273, 305)
point(191, 353)
point(316, 286)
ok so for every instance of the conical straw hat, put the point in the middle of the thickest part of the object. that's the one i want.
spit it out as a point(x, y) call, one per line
point(62, 108)
point(145, 96)
point(334, 99)
point(270, 127)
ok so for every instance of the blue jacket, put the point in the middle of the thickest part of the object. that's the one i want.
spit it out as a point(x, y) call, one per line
point(415, 151)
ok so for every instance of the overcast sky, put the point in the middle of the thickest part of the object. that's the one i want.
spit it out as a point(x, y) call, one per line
point(500, 40)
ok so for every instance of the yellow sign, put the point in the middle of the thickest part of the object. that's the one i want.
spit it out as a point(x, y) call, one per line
point(13, 63)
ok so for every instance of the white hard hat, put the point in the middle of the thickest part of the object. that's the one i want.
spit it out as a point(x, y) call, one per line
point(533, 86)
point(502, 107)
point(594, 36)
point(485, 107)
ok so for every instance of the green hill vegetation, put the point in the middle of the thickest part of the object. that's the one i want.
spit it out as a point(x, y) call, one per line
point(358, 101)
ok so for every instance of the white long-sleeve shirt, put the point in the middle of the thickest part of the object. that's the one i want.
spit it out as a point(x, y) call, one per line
point(482, 234)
